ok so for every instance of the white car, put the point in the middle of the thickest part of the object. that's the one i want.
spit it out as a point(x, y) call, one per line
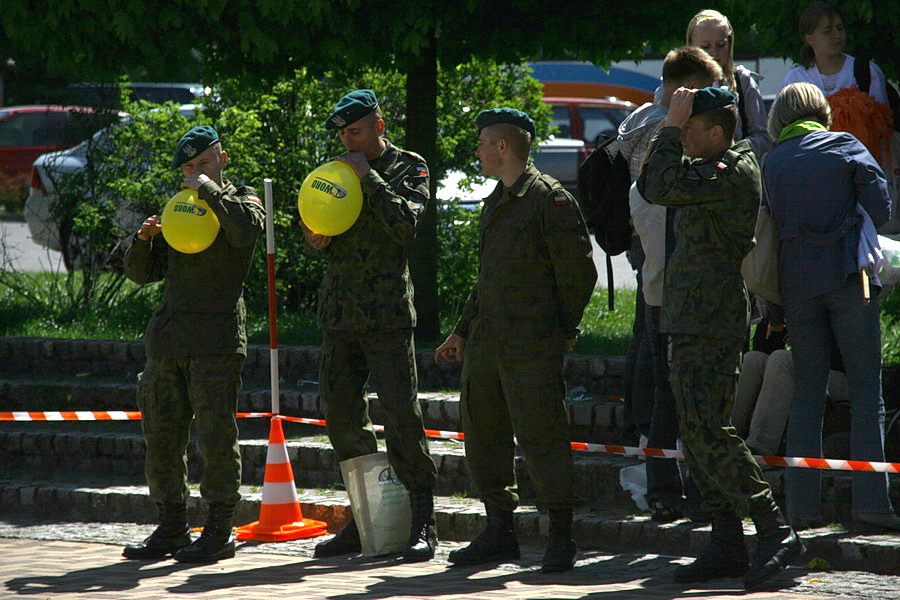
point(48, 169)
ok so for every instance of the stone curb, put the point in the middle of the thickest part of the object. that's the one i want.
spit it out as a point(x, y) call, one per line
point(595, 374)
point(455, 521)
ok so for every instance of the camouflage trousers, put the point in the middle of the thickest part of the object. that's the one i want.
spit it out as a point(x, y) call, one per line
point(348, 359)
point(522, 398)
point(703, 375)
point(172, 392)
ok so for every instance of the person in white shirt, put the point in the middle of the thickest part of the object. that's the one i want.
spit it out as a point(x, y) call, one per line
point(823, 62)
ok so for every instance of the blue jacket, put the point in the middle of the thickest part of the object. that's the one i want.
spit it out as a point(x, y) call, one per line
point(813, 183)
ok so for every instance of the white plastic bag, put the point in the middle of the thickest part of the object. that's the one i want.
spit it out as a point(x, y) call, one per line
point(633, 480)
point(380, 504)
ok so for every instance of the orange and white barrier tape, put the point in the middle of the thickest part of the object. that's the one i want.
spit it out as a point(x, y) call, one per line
point(90, 415)
point(832, 464)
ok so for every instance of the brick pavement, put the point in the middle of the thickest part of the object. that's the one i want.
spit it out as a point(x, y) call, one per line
point(52, 569)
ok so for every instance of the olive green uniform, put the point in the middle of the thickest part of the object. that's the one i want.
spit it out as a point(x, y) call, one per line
point(705, 308)
point(196, 343)
point(535, 277)
point(367, 317)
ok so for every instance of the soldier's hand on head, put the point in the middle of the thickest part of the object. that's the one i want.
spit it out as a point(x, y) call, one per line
point(194, 181)
point(357, 161)
point(149, 228)
point(680, 107)
point(451, 350)
point(316, 240)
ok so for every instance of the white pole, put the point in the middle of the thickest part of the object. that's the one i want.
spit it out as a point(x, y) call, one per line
point(273, 306)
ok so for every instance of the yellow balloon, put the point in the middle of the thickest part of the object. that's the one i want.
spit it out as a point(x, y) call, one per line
point(188, 224)
point(330, 198)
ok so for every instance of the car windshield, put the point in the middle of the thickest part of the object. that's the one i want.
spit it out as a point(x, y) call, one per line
point(601, 121)
point(559, 119)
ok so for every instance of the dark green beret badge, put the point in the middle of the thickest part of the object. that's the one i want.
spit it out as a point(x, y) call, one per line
point(710, 97)
point(193, 143)
point(351, 108)
point(513, 116)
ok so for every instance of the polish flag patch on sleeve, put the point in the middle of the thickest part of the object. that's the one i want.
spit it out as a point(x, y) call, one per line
point(721, 165)
point(254, 199)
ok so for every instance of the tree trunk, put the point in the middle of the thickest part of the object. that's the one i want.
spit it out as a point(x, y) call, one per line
point(421, 137)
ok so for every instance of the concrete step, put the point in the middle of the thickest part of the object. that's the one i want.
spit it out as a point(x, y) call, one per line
point(599, 375)
point(458, 519)
point(119, 449)
point(86, 448)
point(591, 419)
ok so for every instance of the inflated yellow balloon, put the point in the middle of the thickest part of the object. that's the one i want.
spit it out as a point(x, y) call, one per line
point(330, 198)
point(188, 224)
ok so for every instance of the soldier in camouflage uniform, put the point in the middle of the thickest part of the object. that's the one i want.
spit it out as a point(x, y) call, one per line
point(535, 277)
point(196, 345)
point(367, 317)
point(716, 187)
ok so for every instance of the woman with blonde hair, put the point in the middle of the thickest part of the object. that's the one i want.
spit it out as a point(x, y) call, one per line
point(712, 31)
point(821, 187)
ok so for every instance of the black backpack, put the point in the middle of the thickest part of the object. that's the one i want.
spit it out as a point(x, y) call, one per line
point(863, 77)
point(603, 185)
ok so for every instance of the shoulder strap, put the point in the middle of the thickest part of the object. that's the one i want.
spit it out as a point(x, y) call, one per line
point(862, 74)
point(742, 111)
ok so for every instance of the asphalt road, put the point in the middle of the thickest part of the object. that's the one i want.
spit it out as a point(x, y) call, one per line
point(19, 252)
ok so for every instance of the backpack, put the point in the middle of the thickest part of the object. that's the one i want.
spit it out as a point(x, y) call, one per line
point(863, 76)
point(603, 184)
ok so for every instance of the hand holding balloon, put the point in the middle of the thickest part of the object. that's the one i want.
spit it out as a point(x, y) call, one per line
point(357, 162)
point(316, 240)
point(194, 181)
point(149, 228)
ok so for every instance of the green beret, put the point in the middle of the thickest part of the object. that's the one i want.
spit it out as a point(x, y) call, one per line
point(193, 143)
point(351, 108)
point(709, 98)
point(513, 116)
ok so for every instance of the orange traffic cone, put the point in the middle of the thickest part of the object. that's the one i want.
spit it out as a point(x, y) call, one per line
point(280, 518)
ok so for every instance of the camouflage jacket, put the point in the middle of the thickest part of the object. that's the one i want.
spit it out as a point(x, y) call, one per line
point(202, 310)
point(535, 275)
point(367, 283)
point(718, 201)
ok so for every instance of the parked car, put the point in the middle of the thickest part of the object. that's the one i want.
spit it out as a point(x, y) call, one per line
point(107, 94)
point(588, 119)
point(26, 132)
point(48, 169)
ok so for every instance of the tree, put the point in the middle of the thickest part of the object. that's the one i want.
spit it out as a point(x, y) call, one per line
point(262, 40)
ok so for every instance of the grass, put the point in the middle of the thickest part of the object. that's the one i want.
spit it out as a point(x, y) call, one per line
point(38, 305)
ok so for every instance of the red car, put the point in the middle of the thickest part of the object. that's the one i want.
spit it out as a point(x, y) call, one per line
point(588, 119)
point(26, 132)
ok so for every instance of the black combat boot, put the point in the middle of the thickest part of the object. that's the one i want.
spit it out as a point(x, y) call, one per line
point(496, 543)
point(171, 536)
point(560, 554)
point(724, 556)
point(217, 540)
point(422, 536)
point(345, 542)
point(777, 546)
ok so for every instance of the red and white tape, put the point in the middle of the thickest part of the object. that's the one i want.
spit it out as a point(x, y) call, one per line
point(831, 464)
